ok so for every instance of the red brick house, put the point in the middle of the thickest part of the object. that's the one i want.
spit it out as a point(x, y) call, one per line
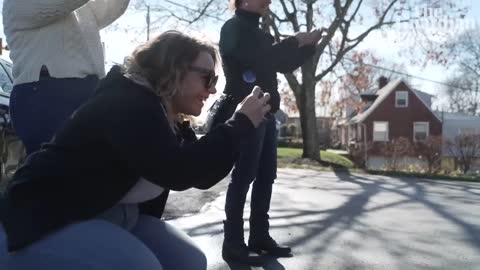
point(395, 110)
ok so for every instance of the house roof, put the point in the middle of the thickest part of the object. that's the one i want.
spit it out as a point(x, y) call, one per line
point(457, 116)
point(425, 97)
point(424, 93)
point(382, 95)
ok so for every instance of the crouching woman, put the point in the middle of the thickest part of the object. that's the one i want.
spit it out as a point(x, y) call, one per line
point(93, 197)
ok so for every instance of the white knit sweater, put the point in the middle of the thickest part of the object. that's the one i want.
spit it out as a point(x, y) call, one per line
point(63, 35)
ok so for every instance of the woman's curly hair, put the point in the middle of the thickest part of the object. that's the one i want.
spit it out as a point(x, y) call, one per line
point(165, 60)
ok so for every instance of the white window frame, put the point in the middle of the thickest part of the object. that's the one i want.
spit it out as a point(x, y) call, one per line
point(375, 138)
point(398, 95)
point(414, 131)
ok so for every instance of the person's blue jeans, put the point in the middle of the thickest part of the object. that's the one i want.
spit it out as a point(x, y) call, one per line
point(39, 109)
point(257, 163)
point(3, 248)
point(120, 239)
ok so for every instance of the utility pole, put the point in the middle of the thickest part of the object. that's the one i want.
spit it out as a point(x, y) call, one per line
point(148, 22)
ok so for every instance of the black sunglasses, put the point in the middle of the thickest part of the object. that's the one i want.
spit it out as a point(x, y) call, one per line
point(207, 74)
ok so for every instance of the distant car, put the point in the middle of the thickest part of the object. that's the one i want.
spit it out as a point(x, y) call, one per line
point(6, 81)
point(11, 149)
point(6, 86)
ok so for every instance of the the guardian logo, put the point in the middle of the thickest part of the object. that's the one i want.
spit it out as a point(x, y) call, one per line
point(434, 19)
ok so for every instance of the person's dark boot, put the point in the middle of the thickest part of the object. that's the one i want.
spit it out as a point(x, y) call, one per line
point(235, 251)
point(234, 248)
point(269, 246)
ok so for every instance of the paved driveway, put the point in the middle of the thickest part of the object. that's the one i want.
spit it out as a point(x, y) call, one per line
point(343, 221)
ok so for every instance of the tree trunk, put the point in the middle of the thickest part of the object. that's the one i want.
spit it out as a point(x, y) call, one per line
point(306, 106)
point(305, 99)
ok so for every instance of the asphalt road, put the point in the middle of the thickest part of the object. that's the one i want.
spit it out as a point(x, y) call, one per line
point(342, 221)
point(191, 201)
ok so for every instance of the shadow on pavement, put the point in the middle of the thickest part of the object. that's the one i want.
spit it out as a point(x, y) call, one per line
point(471, 231)
point(355, 198)
point(266, 262)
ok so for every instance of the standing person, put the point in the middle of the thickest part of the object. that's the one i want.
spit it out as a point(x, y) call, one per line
point(57, 59)
point(92, 198)
point(250, 58)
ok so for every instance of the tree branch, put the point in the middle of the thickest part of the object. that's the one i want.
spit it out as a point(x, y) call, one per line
point(291, 16)
point(200, 12)
point(293, 83)
point(376, 26)
point(344, 49)
point(356, 11)
point(276, 17)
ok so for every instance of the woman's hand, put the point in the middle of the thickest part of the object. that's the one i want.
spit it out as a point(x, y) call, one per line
point(255, 106)
point(316, 35)
point(310, 38)
point(303, 38)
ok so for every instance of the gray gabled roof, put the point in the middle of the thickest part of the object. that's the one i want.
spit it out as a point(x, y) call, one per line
point(457, 116)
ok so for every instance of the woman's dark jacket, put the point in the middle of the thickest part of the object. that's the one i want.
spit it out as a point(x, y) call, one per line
point(248, 52)
point(121, 134)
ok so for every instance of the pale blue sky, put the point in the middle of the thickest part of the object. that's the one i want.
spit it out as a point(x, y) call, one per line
point(119, 43)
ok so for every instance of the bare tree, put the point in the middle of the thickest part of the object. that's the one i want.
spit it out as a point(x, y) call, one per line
point(463, 89)
point(465, 149)
point(430, 26)
point(347, 23)
point(159, 15)
point(444, 32)
point(339, 18)
point(430, 151)
point(462, 93)
point(181, 14)
point(358, 73)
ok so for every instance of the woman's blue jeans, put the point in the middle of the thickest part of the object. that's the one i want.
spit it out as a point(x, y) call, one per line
point(120, 239)
point(257, 163)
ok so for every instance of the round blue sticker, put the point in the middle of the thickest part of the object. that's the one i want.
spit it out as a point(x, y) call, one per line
point(249, 76)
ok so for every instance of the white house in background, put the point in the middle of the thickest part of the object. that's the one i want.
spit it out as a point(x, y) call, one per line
point(455, 124)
